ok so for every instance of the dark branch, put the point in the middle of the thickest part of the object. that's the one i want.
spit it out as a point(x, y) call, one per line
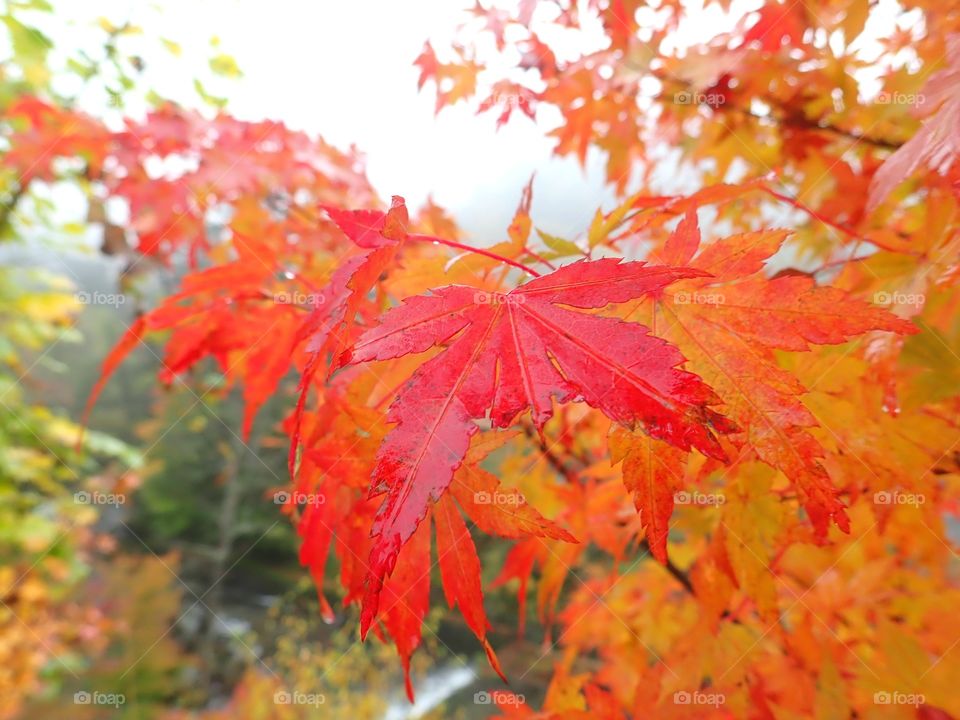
point(679, 575)
point(8, 209)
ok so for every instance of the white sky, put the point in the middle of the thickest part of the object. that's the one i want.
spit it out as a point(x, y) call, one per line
point(343, 70)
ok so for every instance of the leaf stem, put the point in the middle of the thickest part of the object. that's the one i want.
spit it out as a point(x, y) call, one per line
point(467, 248)
point(310, 217)
point(812, 213)
point(540, 258)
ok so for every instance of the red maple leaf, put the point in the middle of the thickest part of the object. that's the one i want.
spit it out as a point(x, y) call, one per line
point(505, 353)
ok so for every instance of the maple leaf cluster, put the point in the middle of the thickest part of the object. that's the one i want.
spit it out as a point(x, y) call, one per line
point(769, 412)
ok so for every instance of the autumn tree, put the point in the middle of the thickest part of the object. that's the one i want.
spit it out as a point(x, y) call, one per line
point(717, 427)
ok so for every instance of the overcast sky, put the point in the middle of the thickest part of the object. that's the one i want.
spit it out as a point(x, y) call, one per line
point(344, 70)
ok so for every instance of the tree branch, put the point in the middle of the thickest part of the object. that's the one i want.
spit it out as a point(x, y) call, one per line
point(557, 463)
point(787, 117)
point(679, 575)
point(9, 208)
point(571, 476)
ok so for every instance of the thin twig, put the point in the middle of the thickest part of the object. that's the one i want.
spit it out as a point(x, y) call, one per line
point(679, 575)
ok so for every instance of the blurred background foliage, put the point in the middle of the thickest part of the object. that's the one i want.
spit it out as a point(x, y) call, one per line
point(143, 558)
